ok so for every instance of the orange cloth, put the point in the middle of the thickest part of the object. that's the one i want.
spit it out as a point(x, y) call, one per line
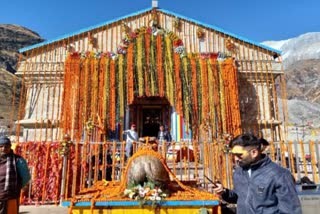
point(12, 206)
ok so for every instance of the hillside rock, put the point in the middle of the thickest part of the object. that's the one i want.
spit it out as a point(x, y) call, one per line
point(9, 85)
point(301, 60)
point(12, 38)
point(303, 80)
point(303, 47)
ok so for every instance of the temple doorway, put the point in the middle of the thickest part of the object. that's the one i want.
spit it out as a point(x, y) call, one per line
point(148, 113)
point(151, 120)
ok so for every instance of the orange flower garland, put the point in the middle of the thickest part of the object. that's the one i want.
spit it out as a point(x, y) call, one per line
point(160, 66)
point(178, 84)
point(130, 77)
point(229, 75)
point(204, 81)
point(149, 89)
point(112, 95)
point(162, 70)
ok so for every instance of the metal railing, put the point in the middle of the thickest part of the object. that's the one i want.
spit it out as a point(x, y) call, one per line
point(56, 177)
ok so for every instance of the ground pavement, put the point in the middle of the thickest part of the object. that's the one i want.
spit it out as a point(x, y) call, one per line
point(43, 209)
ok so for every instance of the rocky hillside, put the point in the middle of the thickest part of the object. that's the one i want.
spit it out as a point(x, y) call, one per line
point(12, 38)
point(303, 80)
point(301, 57)
point(7, 82)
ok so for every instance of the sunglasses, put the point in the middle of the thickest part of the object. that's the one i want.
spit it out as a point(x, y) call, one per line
point(240, 151)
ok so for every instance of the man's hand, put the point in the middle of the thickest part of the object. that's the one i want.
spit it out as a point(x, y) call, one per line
point(218, 189)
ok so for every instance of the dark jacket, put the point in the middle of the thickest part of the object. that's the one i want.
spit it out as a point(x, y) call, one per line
point(166, 136)
point(15, 183)
point(269, 189)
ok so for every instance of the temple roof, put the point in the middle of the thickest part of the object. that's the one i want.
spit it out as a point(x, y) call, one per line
point(146, 11)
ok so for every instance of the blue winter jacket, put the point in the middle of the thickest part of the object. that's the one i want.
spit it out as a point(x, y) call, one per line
point(269, 190)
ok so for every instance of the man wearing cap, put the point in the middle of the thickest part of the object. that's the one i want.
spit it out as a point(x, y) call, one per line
point(260, 185)
point(14, 174)
point(132, 136)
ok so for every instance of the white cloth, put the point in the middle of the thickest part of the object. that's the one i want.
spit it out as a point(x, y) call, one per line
point(132, 136)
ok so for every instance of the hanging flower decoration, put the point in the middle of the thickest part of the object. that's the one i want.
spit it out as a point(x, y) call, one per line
point(112, 55)
point(75, 54)
point(209, 55)
point(92, 40)
point(122, 50)
point(98, 55)
point(179, 48)
point(181, 51)
point(65, 144)
point(151, 30)
point(125, 28)
point(226, 139)
point(177, 43)
point(200, 33)
point(89, 126)
point(177, 23)
point(131, 36)
point(230, 46)
point(69, 48)
point(154, 19)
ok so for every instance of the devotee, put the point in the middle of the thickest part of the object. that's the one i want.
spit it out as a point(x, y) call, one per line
point(163, 135)
point(260, 185)
point(14, 175)
point(132, 136)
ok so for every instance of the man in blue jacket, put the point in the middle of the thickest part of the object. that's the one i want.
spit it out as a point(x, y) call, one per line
point(260, 185)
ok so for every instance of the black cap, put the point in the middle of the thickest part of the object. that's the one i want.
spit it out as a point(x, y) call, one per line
point(4, 140)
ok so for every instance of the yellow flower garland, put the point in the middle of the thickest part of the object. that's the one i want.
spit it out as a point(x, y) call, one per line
point(139, 67)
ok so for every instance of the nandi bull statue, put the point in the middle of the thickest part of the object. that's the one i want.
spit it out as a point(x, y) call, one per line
point(148, 166)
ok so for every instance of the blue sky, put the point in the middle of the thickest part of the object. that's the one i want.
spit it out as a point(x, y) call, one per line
point(257, 20)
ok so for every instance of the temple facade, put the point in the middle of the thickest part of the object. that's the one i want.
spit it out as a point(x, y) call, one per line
point(151, 67)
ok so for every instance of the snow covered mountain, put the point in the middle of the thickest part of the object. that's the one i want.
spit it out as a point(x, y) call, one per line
point(301, 60)
point(303, 47)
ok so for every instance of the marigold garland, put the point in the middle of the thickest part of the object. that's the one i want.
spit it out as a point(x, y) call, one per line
point(149, 86)
point(204, 84)
point(150, 65)
point(121, 86)
point(112, 96)
point(106, 100)
point(139, 66)
point(222, 101)
point(186, 93)
point(178, 84)
point(194, 97)
point(130, 76)
point(211, 92)
point(160, 66)
point(170, 73)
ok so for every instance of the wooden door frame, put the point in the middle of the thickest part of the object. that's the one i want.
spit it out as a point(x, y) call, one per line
point(141, 103)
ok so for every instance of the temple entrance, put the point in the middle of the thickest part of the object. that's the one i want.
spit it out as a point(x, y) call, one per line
point(151, 120)
point(148, 113)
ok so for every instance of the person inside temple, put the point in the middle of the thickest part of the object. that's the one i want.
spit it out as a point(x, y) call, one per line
point(163, 135)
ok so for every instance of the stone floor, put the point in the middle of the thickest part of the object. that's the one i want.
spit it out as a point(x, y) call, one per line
point(43, 209)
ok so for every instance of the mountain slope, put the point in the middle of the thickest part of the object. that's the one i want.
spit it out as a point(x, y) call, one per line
point(303, 47)
point(301, 60)
point(12, 38)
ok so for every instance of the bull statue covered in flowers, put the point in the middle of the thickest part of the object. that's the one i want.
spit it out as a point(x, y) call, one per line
point(147, 166)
